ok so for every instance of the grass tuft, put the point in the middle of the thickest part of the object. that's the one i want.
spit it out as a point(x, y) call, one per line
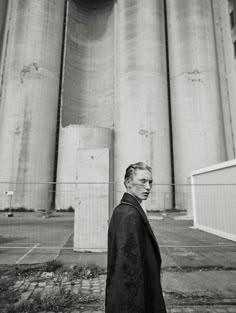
point(88, 271)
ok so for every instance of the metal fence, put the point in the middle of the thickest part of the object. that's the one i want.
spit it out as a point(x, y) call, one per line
point(51, 196)
point(75, 216)
point(66, 196)
point(34, 197)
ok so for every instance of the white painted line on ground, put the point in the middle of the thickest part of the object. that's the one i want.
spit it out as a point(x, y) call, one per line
point(26, 247)
point(27, 253)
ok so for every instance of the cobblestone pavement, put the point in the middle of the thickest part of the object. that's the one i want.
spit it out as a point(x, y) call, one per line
point(46, 283)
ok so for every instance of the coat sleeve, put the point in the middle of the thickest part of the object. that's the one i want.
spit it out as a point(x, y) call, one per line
point(129, 270)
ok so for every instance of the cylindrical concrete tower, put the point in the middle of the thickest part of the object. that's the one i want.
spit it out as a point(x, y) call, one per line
point(88, 84)
point(197, 121)
point(88, 87)
point(28, 112)
point(227, 72)
point(141, 115)
point(85, 156)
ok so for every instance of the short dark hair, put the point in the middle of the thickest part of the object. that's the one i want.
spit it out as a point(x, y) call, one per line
point(132, 168)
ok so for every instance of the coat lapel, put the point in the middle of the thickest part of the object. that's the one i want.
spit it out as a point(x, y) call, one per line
point(130, 200)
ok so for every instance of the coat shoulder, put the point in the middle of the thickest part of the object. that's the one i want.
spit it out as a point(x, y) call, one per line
point(125, 210)
point(125, 213)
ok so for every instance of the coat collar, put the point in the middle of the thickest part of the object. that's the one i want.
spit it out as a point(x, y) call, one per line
point(131, 200)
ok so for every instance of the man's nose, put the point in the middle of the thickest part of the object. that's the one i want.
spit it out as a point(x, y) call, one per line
point(148, 186)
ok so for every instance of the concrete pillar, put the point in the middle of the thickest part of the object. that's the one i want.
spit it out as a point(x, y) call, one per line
point(141, 114)
point(28, 112)
point(197, 120)
point(85, 168)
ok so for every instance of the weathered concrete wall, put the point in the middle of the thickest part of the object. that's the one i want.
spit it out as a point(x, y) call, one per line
point(28, 113)
point(227, 73)
point(88, 94)
point(232, 8)
point(197, 121)
point(141, 114)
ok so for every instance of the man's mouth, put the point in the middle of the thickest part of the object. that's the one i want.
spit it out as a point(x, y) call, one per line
point(146, 193)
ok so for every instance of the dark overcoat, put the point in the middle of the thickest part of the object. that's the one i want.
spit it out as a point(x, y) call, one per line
point(134, 262)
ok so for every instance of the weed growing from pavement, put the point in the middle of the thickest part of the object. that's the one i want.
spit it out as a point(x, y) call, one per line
point(54, 301)
point(30, 270)
point(6, 292)
point(86, 271)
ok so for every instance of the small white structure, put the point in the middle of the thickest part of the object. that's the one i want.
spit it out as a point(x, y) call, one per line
point(85, 160)
point(214, 199)
point(92, 209)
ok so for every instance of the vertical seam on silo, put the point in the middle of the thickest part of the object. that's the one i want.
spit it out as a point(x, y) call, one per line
point(169, 102)
point(60, 94)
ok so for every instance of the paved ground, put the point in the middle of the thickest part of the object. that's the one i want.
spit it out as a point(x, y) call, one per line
point(199, 269)
point(28, 238)
point(181, 246)
point(205, 291)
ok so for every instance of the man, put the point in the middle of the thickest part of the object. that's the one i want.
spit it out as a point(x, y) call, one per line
point(134, 262)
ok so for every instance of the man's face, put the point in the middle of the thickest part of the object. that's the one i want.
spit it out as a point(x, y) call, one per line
point(140, 185)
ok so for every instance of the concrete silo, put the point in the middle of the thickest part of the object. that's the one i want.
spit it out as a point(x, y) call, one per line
point(29, 104)
point(225, 35)
point(141, 113)
point(85, 155)
point(197, 121)
point(88, 81)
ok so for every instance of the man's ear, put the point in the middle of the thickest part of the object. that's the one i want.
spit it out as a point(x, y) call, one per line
point(128, 183)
